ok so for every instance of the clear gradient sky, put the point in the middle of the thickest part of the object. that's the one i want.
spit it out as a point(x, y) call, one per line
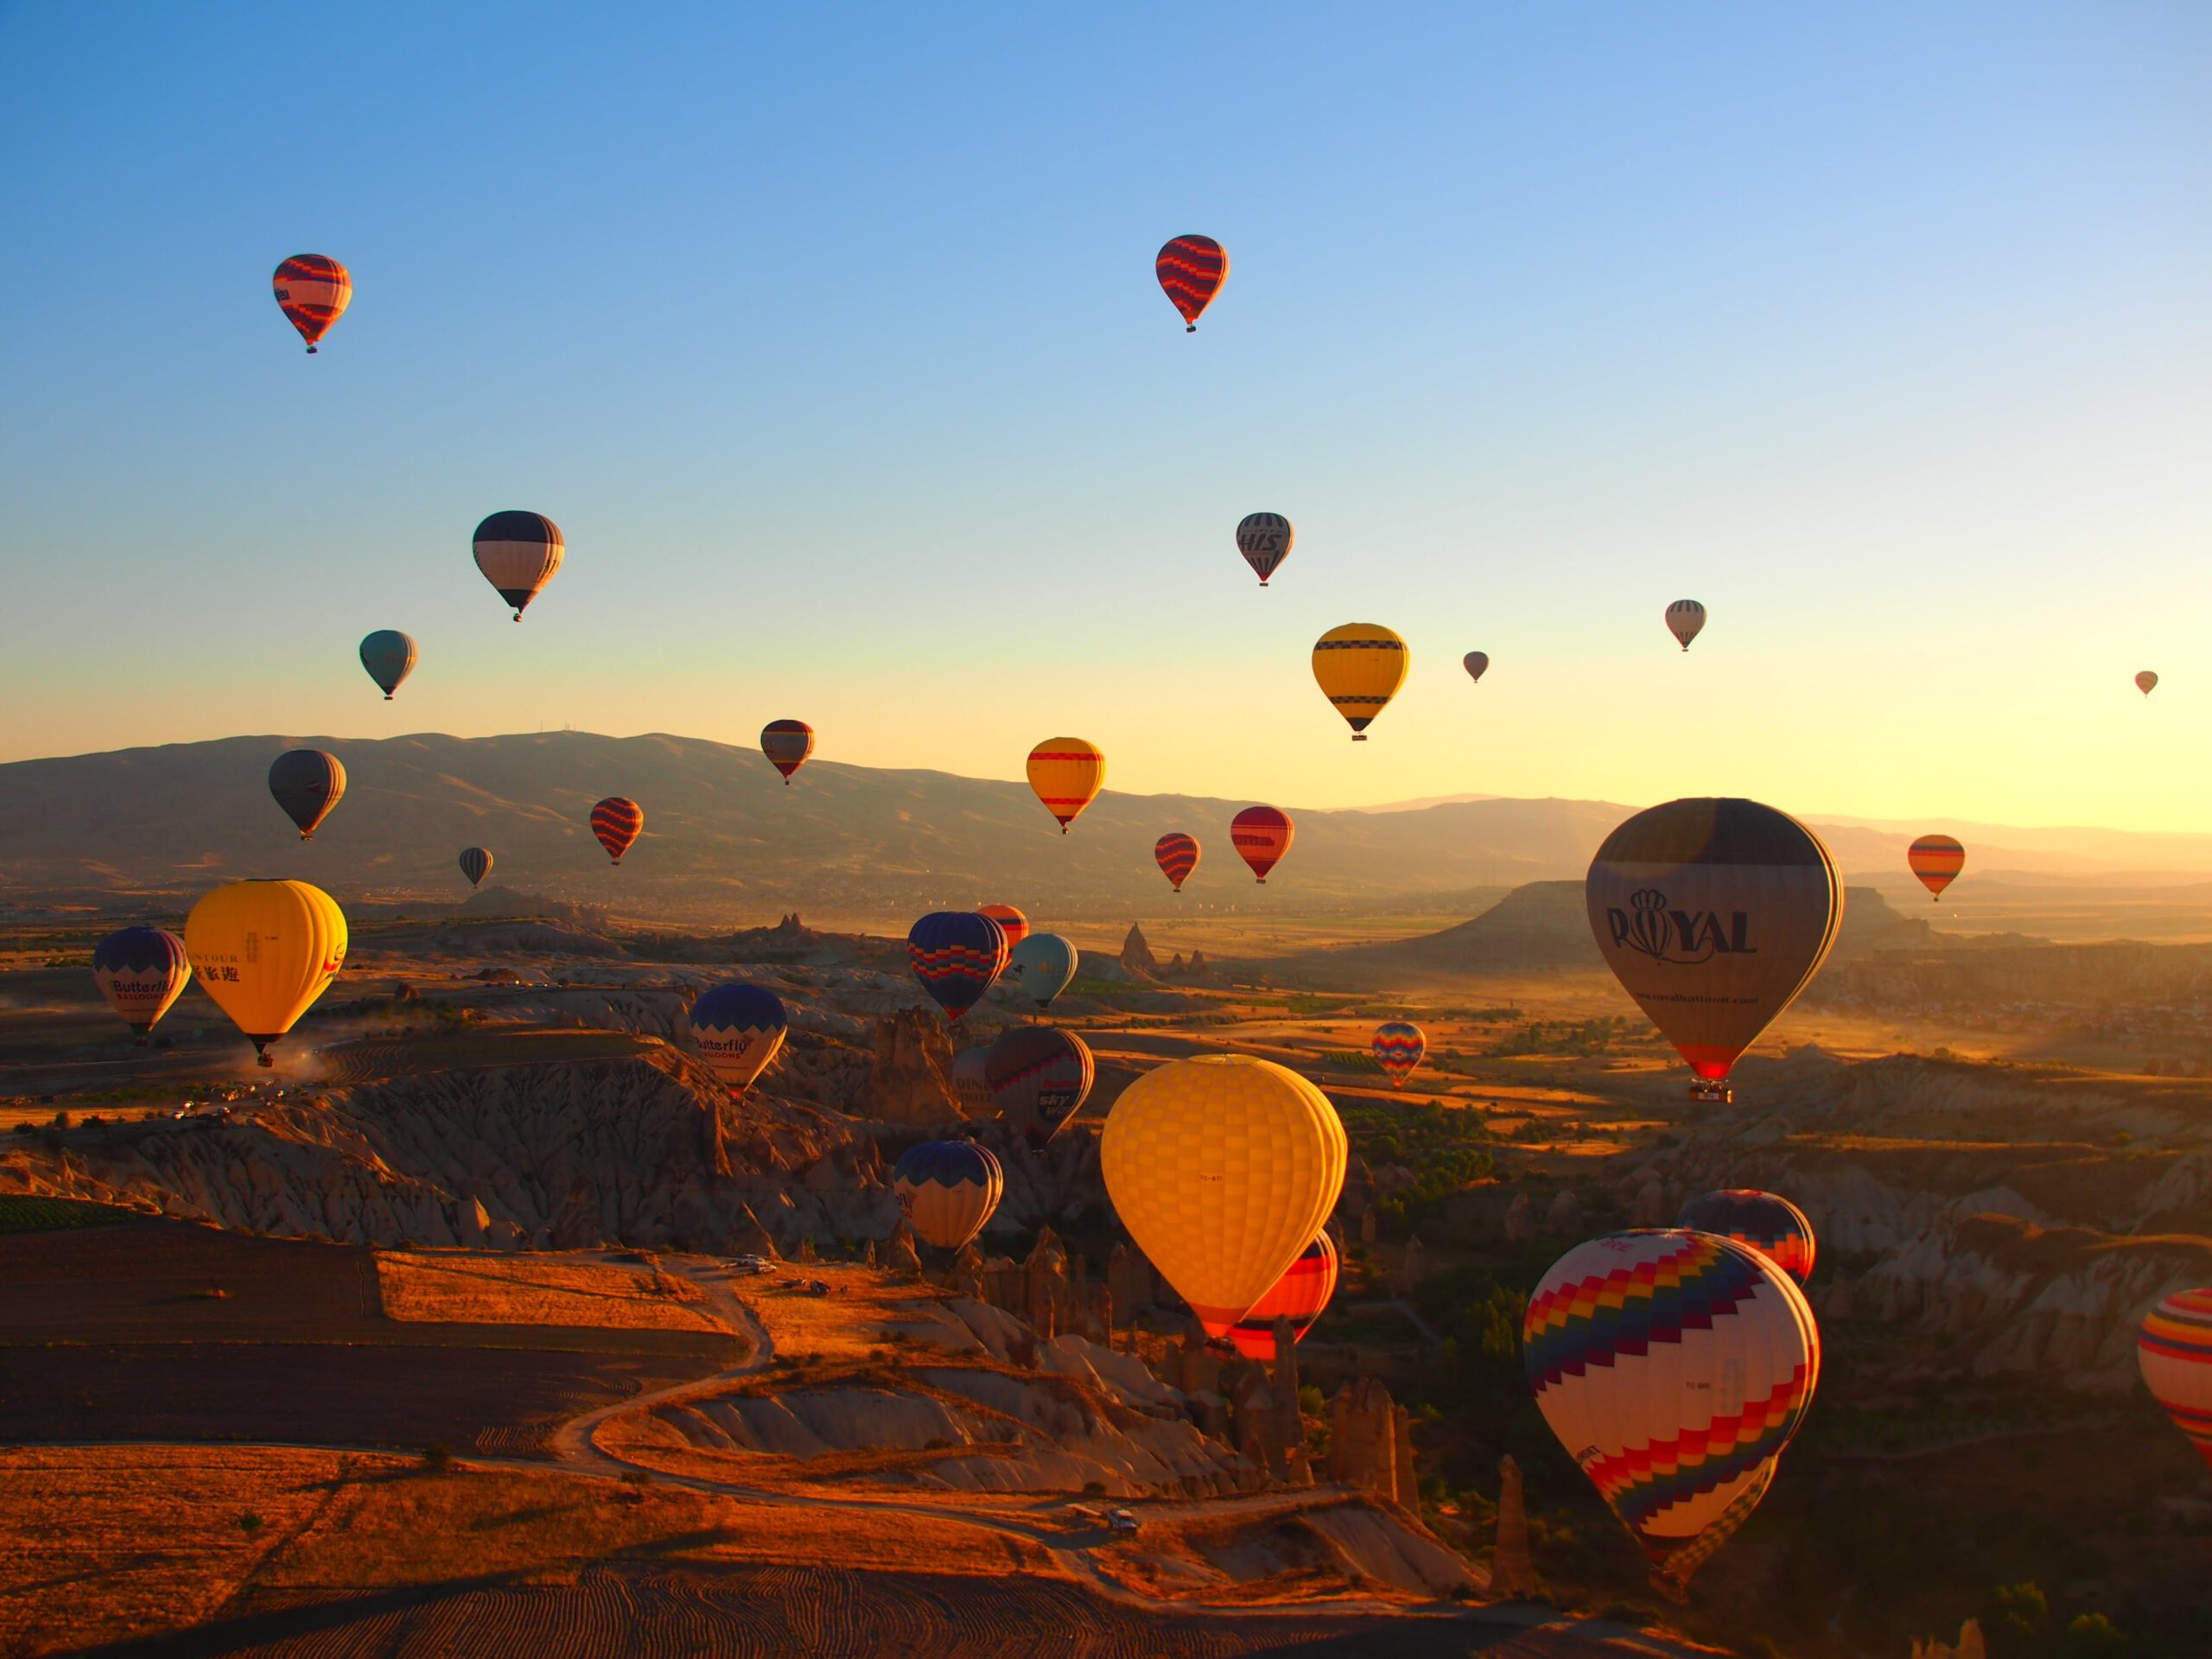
point(829, 337)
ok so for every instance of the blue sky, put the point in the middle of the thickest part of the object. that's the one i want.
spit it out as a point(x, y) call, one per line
point(828, 335)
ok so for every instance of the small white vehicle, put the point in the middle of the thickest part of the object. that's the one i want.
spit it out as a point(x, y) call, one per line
point(748, 1264)
point(1121, 1521)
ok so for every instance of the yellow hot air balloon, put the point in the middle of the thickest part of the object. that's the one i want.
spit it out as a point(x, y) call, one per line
point(1360, 667)
point(1067, 774)
point(265, 950)
point(1223, 1168)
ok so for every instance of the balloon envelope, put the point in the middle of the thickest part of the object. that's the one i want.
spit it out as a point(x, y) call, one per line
point(1713, 914)
point(2174, 1350)
point(1763, 1222)
point(956, 954)
point(1674, 1367)
point(1191, 270)
point(1012, 921)
point(1477, 663)
point(1299, 1296)
point(1177, 854)
point(476, 864)
point(1223, 1167)
point(1685, 618)
point(518, 553)
point(1359, 668)
point(312, 290)
point(617, 822)
point(2146, 682)
point(947, 1189)
point(1039, 1077)
point(265, 950)
point(1067, 774)
point(389, 655)
point(142, 971)
point(1398, 1046)
point(1042, 964)
point(787, 743)
point(307, 783)
point(971, 1082)
point(1936, 860)
point(1264, 540)
point(739, 1028)
point(1262, 834)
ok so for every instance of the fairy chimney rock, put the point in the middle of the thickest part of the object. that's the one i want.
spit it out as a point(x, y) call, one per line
point(1512, 1573)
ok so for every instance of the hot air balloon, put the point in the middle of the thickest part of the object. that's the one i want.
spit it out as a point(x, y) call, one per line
point(947, 1189)
point(1398, 1046)
point(519, 554)
point(313, 291)
point(1067, 774)
point(1223, 1167)
point(1476, 663)
point(1763, 1222)
point(1936, 860)
point(787, 743)
point(1713, 914)
point(1262, 834)
point(476, 864)
point(142, 971)
point(1685, 618)
point(307, 783)
point(265, 950)
point(956, 954)
point(1177, 854)
point(1299, 1296)
point(2174, 1348)
point(1264, 540)
point(1012, 921)
point(2146, 682)
point(616, 821)
point(389, 655)
point(738, 1028)
point(1359, 668)
point(1043, 964)
point(1040, 1076)
point(1674, 1367)
point(1191, 270)
point(971, 1082)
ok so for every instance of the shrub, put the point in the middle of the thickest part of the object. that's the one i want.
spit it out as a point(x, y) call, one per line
point(437, 1458)
point(249, 1523)
point(1094, 1489)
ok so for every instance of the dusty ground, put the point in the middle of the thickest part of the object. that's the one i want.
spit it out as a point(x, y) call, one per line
point(466, 1287)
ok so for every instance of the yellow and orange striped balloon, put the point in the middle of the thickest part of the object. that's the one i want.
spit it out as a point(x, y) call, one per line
point(1067, 774)
point(1360, 667)
point(1936, 860)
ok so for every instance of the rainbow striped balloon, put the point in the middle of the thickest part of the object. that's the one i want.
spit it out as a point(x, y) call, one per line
point(1177, 856)
point(1674, 1367)
point(956, 954)
point(1765, 1222)
point(2175, 1351)
point(1299, 1296)
point(1398, 1046)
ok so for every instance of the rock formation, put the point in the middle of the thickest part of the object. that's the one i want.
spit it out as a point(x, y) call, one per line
point(1370, 1444)
point(910, 1078)
point(1969, 1646)
point(1512, 1573)
point(1412, 1268)
point(1137, 960)
point(1270, 1433)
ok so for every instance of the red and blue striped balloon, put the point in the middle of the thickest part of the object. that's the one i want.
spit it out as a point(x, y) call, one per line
point(1770, 1224)
point(956, 954)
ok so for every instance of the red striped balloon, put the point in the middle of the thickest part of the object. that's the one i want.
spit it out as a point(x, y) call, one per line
point(1177, 856)
point(1299, 1296)
point(313, 291)
point(1262, 835)
point(1012, 921)
point(1191, 270)
point(616, 822)
point(1936, 860)
point(787, 743)
point(2175, 1351)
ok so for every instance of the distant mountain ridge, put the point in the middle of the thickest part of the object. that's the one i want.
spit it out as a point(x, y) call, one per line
point(725, 840)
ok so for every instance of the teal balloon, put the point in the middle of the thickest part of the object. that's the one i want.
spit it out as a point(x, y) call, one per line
point(1041, 966)
point(389, 655)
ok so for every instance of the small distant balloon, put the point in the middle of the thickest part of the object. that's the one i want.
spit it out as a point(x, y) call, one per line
point(1262, 834)
point(389, 655)
point(1398, 1046)
point(1685, 621)
point(1477, 663)
point(1765, 1222)
point(616, 821)
point(1067, 774)
point(947, 1189)
point(518, 553)
point(1177, 854)
point(787, 743)
point(1191, 270)
point(1043, 964)
point(1936, 860)
point(956, 954)
point(1012, 923)
point(1359, 668)
point(142, 971)
point(1040, 1076)
point(307, 783)
point(476, 864)
point(313, 291)
point(1264, 540)
point(739, 1029)
point(2146, 682)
